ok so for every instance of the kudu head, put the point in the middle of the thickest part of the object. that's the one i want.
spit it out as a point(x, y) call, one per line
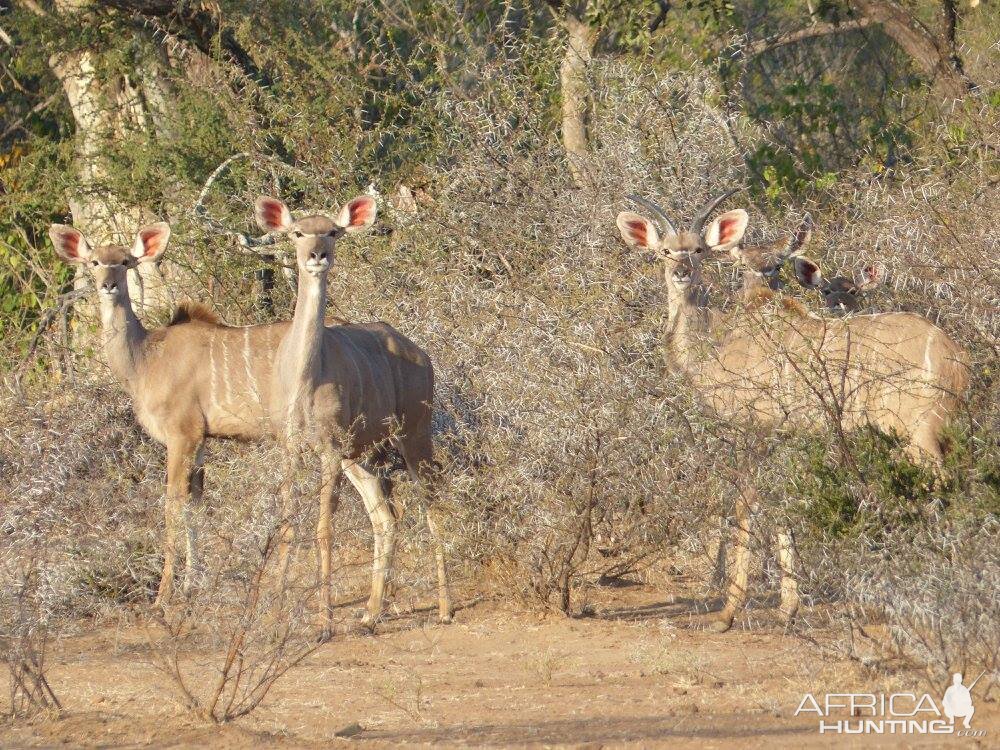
point(315, 237)
point(761, 263)
point(840, 294)
point(683, 252)
point(110, 263)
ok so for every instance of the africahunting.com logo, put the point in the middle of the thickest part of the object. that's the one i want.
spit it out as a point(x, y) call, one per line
point(895, 713)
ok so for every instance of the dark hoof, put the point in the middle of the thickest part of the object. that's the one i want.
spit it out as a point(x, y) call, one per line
point(446, 619)
point(365, 624)
point(720, 625)
point(788, 617)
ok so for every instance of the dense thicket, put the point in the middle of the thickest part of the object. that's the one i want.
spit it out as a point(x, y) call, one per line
point(501, 139)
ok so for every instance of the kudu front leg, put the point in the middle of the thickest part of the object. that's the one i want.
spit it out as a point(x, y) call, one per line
point(739, 574)
point(181, 468)
point(329, 499)
point(285, 534)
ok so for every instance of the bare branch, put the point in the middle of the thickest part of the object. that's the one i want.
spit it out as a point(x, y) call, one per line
point(33, 111)
point(215, 225)
point(811, 32)
point(62, 303)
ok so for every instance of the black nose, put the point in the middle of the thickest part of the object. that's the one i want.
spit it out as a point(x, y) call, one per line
point(110, 286)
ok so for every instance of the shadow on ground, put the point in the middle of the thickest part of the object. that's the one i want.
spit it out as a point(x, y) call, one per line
point(603, 729)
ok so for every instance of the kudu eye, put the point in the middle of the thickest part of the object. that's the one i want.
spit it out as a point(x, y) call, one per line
point(93, 263)
point(297, 234)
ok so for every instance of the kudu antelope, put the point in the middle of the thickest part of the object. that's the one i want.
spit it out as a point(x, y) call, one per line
point(192, 379)
point(347, 391)
point(775, 366)
point(761, 264)
point(180, 387)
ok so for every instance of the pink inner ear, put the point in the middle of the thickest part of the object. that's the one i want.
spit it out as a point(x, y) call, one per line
point(362, 211)
point(70, 242)
point(272, 213)
point(727, 230)
point(152, 241)
point(638, 231)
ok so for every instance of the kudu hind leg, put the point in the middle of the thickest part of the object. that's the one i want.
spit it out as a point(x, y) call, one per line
point(370, 487)
point(194, 507)
point(419, 457)
point(788, 562)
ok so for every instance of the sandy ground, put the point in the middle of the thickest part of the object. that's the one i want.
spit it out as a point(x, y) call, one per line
point(639, 672)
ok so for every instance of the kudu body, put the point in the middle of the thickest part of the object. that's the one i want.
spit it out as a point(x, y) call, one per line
point(349, 391)
point(189, 380)
point(773, 365)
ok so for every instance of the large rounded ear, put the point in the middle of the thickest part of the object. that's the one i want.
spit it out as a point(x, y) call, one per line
point(357, 214)
point(727, 230)
point(150, 242)
point(70, 244)
point(638, 231)
point(807, 272)
point(272, 214)
point(870, 276)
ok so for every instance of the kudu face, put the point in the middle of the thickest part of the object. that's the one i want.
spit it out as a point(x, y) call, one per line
point(315, 237)
point(761, 263)
point(684, 252)
point(110, 263)
point(840, 294)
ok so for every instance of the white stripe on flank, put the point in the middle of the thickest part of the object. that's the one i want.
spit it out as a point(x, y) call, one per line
point(248, 364)
point(225, 370)
point(213, 394)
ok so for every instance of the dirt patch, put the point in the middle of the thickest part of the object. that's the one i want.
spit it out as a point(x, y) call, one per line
point(639, 672)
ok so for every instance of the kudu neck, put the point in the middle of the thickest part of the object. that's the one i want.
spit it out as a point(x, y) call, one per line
point(122, 338)
point(301, 356)
point(307, 325)
point(688, 327)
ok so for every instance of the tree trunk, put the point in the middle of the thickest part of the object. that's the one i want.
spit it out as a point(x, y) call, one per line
point(931, 53)
point(105, 111)
point(581, 39)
